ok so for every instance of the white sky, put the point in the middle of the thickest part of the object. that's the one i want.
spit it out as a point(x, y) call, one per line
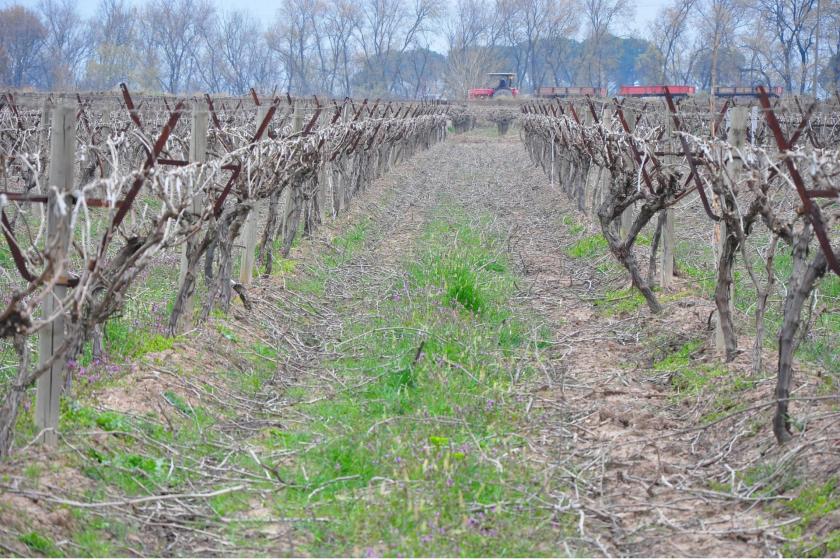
point(265, 11)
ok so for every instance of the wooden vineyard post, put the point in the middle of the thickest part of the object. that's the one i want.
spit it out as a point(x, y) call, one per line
point(338, 180)
point(666, 279)
point(323, 178)
point(593, 176)
point(627, 215)
point(249, 233)
point(198, 153)
point(551, 168)
point(290, 199)
point(737, 137)
point(44, 135)
point(605, 177)
point(51, 337)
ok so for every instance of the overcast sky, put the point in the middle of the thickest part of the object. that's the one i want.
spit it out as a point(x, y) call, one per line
point(265, 10)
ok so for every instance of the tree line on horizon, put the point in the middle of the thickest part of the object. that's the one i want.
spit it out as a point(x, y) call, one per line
point(418, 48)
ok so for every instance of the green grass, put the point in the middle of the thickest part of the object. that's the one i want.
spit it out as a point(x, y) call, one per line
point(588, 247)
point(813, 503)
point(629, 300)
point(818, 347)
point(124, 342)
point(6, 262)
point(617, 302)
point(696, 262)
point(688, 378)
point(644, 240)
point(768, 479)
point(313, 282)
point(728, 399)
point(572, 225)
point(281, 266)
point(403, 457)
point(226, 332)
point(263, 366)
point(8, 362)
point(97, 536)
point(139, 328)
point(704, 278)
point(40, 545)
point(347, 244)
point(75, 415)
point(132, 473)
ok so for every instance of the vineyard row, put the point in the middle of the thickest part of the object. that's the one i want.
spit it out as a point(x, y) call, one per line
point(748, 168)
point(92, 190)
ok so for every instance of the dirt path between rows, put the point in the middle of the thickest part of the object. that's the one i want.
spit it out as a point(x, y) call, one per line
point(600, 415)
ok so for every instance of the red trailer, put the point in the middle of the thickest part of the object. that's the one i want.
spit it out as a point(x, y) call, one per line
point(570, 91)
point(655, 91)
point(738, 91)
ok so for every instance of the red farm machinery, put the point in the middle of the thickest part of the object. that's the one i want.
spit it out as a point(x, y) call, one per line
point(505, 86)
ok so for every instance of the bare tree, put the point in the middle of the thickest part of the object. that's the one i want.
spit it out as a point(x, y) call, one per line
point(113, 34)
point(718, 22)
point(386, 30)
point(755, 47)
point(67, 45)
point(22, 39)
point(172, 29)
point(471, 32)
point(291, 37)
point(601, 17)
point(236, 55)
point(340, 19)
point(669, 34)
point(543, 21)
point(512, 34)
point(793, 24)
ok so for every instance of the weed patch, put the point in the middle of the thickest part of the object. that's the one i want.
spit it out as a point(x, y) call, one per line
point(572, 225)
point(687, 378)
point(40, 544)
point(813, 503)
point(402, 457)
point(347, 244)
point(617, 302)
point(588, 247)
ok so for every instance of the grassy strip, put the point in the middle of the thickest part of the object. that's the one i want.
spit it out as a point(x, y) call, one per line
point(421, 457)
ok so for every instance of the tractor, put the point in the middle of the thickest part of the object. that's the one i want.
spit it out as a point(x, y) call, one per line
point(505, 87)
